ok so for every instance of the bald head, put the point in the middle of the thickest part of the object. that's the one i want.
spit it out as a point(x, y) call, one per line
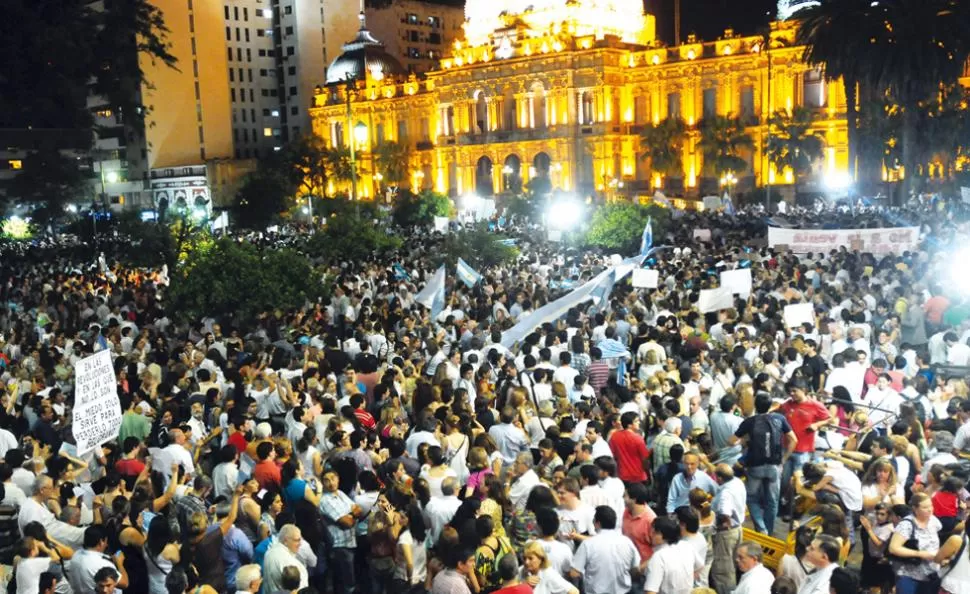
point(723, 472)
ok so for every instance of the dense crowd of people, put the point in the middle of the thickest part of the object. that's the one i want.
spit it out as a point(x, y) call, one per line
point(360, 446)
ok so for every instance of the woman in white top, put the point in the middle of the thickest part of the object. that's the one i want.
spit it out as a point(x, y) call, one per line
point(537, 573)
point(437, 470)
point(879, 485)
point(411, 552)
point(162, 552)
point(795, 567)
point(956, 574)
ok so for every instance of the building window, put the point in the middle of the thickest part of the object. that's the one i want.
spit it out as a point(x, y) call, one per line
point(275, 113)
point(289, 30)
point(290, 50)
point(237, 34)
point(250, 72)
point(296, 131)
point(267, 131)
point(249, 55)
point(226, 11)
point(272, 92)
point(242, 95)
point(232, 77)
point(232, 95)
point(710, 102)
point(414, 53)
point(265, 113)
point(640, 109)
point(229, 52)
point(228, 33)
point(747, 102)
point(813, 88)
point(16, 164)
point(247, 35)
point(245, 135)
point(434, 38)
point(234, 116)
point(243, 115)
point(434, 22)
point(252, 97)
point(260, 32)
point(245, 14)
point(673, 106)
point(291, 70)
point(412, 18)
point(402, 131)
point(239, 54)
point(263, 72)
point(292, 91)
point(262, 53)
point(294, 110)
point(235, 13)
point(288, 10)
point(265, 92)
point(412, 36)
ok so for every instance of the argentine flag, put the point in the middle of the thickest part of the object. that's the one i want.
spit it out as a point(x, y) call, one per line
point(467, 274)
point(432, 295)
point(646, 241)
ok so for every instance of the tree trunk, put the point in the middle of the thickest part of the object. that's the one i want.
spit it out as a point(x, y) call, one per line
point(909, 149)
point(852, 121)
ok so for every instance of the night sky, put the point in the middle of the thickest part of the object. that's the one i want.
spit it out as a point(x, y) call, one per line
point(709, 18)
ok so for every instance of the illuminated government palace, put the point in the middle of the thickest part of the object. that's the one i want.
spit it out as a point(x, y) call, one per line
point(562, 89)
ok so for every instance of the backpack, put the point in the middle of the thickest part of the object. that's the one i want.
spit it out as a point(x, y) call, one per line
point(766, 439)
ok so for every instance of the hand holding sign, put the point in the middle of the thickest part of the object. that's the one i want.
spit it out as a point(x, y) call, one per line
point(737, 281)
point(797, 314)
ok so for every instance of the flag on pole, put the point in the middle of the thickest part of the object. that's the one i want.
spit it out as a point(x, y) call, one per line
point(728, 206)
point(646, 240)
point(432, 295)
point(467, 274)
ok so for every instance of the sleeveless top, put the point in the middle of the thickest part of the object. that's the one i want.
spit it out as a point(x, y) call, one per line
point(249, 527)
point(158, 570)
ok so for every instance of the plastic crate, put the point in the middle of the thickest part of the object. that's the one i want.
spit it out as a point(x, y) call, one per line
point(774, 548)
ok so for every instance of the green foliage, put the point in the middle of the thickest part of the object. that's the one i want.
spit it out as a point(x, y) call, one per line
point(420, 209)
point(228, 278)
point(722, 140)
point(349, 236)
point(793, 143)
point(619, 226)
point(539, 185)
point(17, 228)
point(477, 246)
point(51, 179)
point(526, 207)
point(303, 164)
point(261, 199)
point(663, 146)
point(393, 161)
point(338, 165)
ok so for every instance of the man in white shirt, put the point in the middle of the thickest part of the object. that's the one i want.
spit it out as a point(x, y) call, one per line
point(884, 402)
point(92, 558)
point(523, 479)
point(957, 353)
point(594, 430)
point(671, 568)
point(606, 561)
point(440, 510)
point(33, 510)
point(176, 452)
point(282, 554)
point(823, 554)
point(755, 578)
point(729, 509)
point(565, 374)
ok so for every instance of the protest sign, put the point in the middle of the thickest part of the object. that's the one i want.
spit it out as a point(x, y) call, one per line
point(644, 278)
point(798, 314)
point(441, 224)
point(889, 240)
point(97, 410)
point(702, 234)
point(715, 300)
point(737, 281)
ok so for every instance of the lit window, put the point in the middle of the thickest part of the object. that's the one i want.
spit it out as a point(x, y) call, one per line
point(267, 131)
point(276, 114)
point(16, 164)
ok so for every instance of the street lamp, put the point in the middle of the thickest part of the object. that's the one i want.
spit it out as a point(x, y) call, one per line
point(507, 173)
point(727, 181)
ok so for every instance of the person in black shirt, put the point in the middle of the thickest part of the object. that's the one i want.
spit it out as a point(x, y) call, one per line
point(815, 364)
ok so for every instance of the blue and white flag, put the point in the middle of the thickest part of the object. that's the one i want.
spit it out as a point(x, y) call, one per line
point(467, 274)
point(400, 273)
point(612, 349)
point(728, 206)
point(646, 240)
point(508, 242)
point(621, 372)
point(432, 295)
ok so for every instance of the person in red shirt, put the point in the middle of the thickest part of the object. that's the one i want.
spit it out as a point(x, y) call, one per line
point(638, 524)
point(366, 419)
point(267, 472)
point(806, 416)
point(629, 450)
point(129, 467)
point(237, 435)
point(508, 571)
point(946, 503)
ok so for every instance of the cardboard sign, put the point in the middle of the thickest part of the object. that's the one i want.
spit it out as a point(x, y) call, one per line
point(715, 300)
point(644, 278)
point(797, 314)
point(857, 245)
point(737, 281)
point(781, 248)
point(97, 409)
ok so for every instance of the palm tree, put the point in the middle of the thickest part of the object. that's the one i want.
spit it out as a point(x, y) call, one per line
point(792, 143)
point(842, 36)
point(926, 48)
point(722, 139)
point(338, 166)
point(663, 146)
point(393, 161)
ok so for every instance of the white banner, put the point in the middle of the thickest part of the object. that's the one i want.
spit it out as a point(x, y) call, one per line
point(797, 314)
point(97, 410)
point(644, 278)
point(876, 241)
point(715, 300)
point(702, 234)
point(965, 195)
point(737, 281)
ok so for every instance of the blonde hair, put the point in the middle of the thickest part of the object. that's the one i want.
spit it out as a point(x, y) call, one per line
point(535, 549)
point(477, 458)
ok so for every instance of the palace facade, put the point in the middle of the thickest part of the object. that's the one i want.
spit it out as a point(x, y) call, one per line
point(563, 91)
